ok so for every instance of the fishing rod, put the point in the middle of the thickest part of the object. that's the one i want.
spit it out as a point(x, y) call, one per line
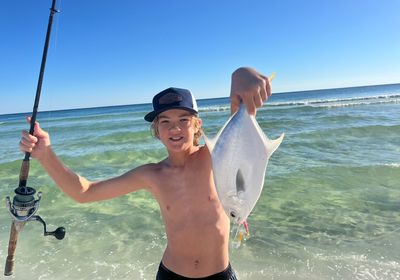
point(24, 204)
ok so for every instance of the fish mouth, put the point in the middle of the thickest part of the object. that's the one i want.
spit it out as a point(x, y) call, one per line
point(235, 214)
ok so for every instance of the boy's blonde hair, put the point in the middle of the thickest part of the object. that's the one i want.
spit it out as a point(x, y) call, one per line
point(197, 124)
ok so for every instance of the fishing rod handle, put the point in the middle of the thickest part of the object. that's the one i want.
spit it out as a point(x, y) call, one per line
point(24, 173)
point(16, 227)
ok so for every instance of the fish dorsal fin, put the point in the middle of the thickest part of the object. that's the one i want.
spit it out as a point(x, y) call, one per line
point(210, 142)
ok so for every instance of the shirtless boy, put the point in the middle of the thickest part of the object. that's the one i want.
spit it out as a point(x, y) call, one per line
point(196, 225)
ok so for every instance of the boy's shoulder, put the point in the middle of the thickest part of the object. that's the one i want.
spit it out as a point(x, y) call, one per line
point(204, 151)
point(146, 174)
point(150, 167)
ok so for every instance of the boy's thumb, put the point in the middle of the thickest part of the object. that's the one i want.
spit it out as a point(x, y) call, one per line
point(37, 128)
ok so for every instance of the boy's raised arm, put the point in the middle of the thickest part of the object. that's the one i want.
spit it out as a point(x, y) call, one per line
point(77, 187)
point(250, 87)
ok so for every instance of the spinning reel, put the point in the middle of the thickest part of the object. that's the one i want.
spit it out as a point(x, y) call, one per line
point(23, 209)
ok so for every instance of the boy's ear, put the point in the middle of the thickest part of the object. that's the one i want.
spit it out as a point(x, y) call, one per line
point(199, 122)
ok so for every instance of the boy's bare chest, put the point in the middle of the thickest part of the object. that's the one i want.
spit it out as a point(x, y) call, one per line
point(192, 190)
point(189, 184)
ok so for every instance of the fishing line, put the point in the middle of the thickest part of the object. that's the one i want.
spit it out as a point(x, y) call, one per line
point(57, 25)
point(50, 97)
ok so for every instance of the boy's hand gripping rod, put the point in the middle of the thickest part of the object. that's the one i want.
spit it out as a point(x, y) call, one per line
point(24, 205)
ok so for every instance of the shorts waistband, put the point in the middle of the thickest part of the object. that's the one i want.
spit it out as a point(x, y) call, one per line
point(165, 274)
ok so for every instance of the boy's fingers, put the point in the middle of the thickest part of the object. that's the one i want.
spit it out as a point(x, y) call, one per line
point(28, 137)
point(27, 142)
point(251, 102)
point(267, 87)
point(258, 102)
point(263, 94)
point(235, 103)
point(250, 105)
point(251, 109)
point(37, 129)
point(28, 120)
point(268, 84)
point(26, 146)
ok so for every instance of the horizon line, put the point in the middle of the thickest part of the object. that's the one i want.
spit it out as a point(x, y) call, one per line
point(207, 98)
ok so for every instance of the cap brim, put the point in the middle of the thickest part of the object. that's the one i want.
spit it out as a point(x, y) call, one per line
point(152, 115)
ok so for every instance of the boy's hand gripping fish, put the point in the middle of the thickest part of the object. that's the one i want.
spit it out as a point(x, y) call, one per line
point(240, 154)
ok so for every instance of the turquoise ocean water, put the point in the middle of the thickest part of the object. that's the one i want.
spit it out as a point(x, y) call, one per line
point(330, 207)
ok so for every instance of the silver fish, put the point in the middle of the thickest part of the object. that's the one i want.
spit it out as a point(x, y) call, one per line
point(240, 153)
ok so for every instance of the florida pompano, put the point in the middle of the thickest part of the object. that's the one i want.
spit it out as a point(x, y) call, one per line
point(240, 154)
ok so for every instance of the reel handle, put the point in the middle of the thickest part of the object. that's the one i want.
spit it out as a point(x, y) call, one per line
point(59, 233)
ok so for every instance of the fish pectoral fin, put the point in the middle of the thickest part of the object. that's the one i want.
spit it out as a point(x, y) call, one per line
point(240, 183)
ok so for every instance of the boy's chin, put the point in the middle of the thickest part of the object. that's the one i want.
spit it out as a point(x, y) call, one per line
point(179, 146)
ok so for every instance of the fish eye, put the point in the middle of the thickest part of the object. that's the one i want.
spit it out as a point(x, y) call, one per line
point(233, 215)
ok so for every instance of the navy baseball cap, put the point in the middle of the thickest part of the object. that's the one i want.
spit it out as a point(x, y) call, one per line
point(172, 98)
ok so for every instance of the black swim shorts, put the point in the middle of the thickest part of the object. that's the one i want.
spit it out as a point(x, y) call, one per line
point(166, 274)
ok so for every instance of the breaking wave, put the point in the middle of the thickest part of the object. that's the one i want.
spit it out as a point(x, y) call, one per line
point(340, 102)
point(316, 102)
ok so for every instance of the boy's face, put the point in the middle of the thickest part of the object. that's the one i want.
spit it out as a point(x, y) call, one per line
point(176, 129)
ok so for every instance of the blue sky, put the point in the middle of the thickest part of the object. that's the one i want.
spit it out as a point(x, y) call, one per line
point(123, 52)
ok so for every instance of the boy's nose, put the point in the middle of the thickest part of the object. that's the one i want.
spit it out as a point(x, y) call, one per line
point(175, 126)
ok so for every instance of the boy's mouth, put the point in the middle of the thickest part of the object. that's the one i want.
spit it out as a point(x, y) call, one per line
point(176, 139)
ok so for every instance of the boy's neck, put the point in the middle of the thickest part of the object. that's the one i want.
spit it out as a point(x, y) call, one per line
point(180, 159)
